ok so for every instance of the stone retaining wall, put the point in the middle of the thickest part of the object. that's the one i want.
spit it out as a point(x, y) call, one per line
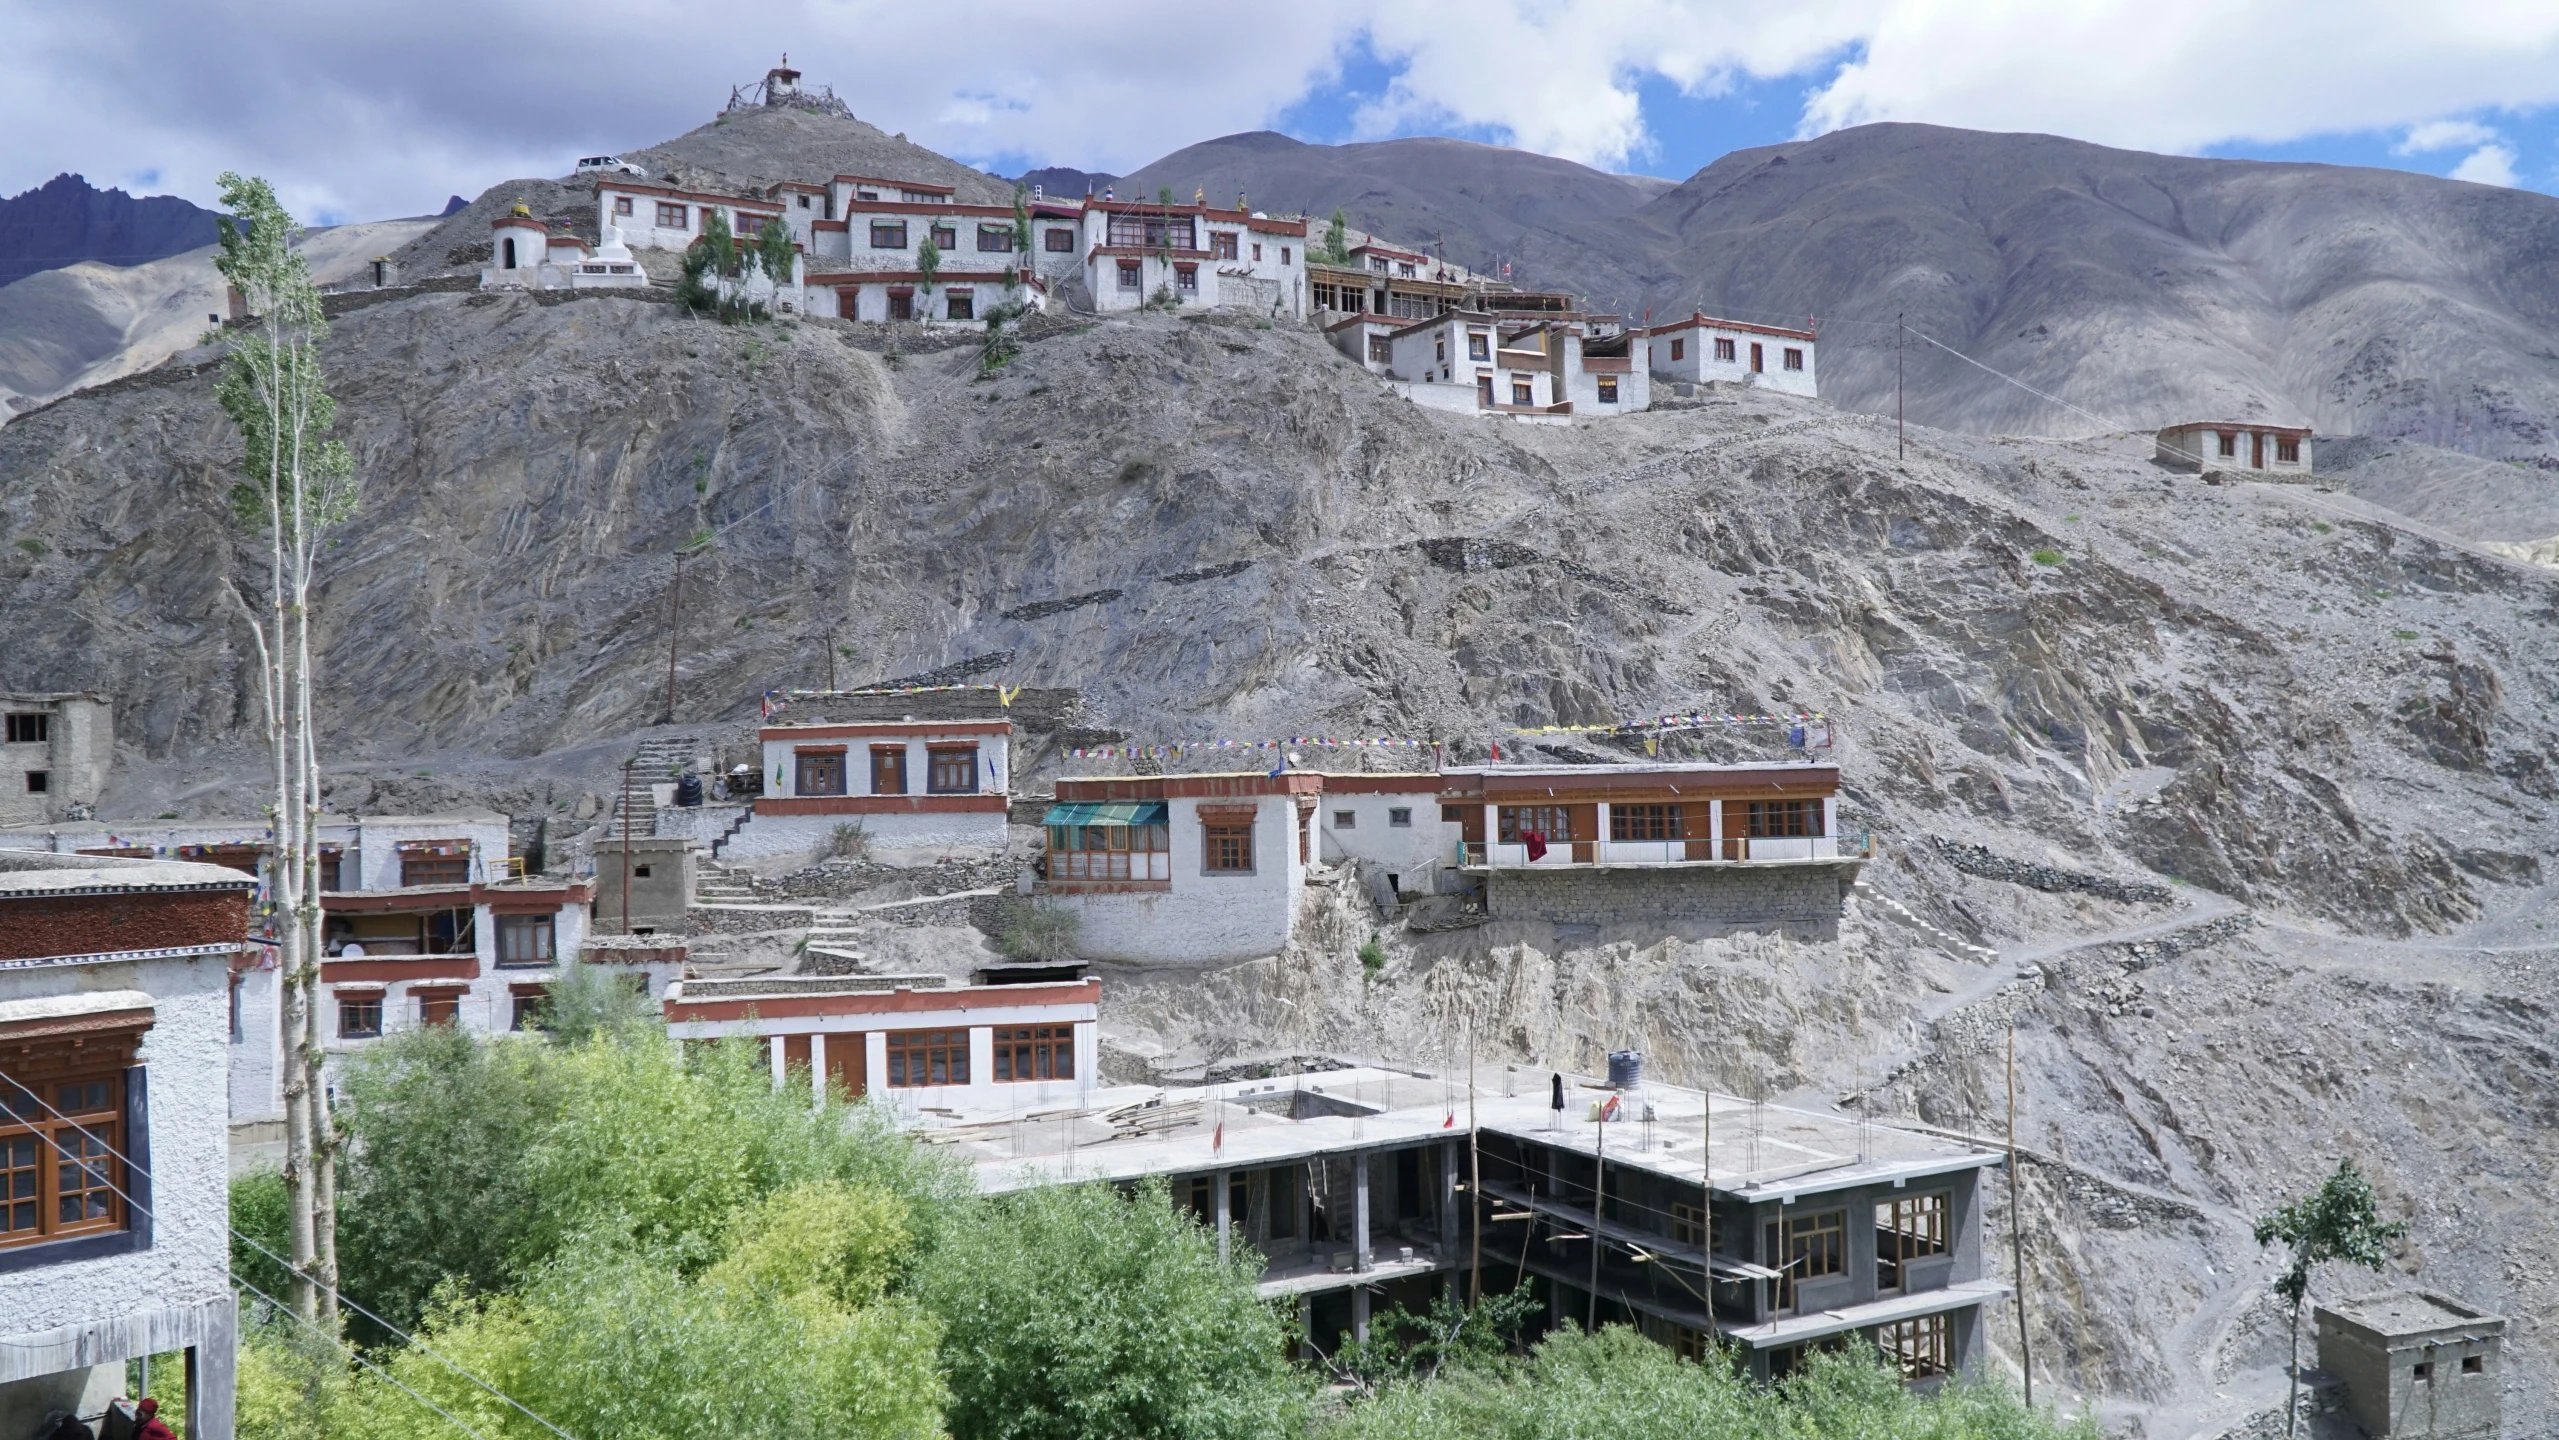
point(1975, 860)
point(1732, 895)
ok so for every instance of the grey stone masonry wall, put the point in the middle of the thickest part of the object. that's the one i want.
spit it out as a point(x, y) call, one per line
point(1975, 860)
point(1722, 894)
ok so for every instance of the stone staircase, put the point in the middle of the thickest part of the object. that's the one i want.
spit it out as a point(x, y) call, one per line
point(659, 758)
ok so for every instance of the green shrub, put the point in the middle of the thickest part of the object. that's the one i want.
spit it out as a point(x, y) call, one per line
point(1025, 931)
point(2047, 557)
point(1372, 956)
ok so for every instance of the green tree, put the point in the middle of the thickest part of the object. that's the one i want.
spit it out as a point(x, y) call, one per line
point(2338, 1221)
point(1077, 1313)
point(296, 482)
point(1337, 245)
point(774, 249)
point(928, 267)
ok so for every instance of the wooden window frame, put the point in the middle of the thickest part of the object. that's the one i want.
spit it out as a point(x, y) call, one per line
point(1507, 822)
point(1819, 1240)
point(2287, 450)
point(1226, 844)
point(354, 1010)
point(1607, 389)
point(1058, 240)
point(29, 727)
point(888, 228)
point(1679, 349)
point(1284, 260)
point(36, 1141)
point(1782, 819)
point(995, 239)
point(421, 865)
point(1346, 819)
point(1792, 358)
point(1637, 823)
point(805, 763)
point(959, 304)
point(1921, 1346)
point(748, 225)
point(901, 305)
point(1523, 392)
point(1726, 351)
point(1381, 350)
point(1223, 245)
point(912, 1055)
point(1132, 275)
point(946, 236)
point(528, 1008)
point(673, 216)
point(1026, 1054)
point(1399, 817)
point(1123, 852)
point(1186, 278)
point(546, 927)
point(941, 775)
point(439, 1007)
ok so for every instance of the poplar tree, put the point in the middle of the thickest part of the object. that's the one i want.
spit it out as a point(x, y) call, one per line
point(295, 483)
point(2338, 1221)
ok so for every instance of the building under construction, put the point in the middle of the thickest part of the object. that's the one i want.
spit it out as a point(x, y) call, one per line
point(1686, 1215)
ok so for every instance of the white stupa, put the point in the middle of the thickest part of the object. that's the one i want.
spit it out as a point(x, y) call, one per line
point(610, 266)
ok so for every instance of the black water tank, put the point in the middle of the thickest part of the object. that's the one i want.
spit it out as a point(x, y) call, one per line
point(688, 790)
point(1625, 1069)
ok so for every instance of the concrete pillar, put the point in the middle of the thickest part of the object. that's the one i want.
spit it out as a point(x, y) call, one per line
point(1448, 1162)
point(1599, 830)
point(1225, 1220)
point(875, 1063)
point(773, 1044)
point(817, 1070)
point(1359, 1312)
point(1492, 830)
point(212, 1371)
point(981, 1056)
point(1715, 826)
point(1830, 815)
point(1359, 1212)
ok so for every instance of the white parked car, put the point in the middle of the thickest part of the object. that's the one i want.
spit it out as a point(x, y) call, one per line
point(610, 165)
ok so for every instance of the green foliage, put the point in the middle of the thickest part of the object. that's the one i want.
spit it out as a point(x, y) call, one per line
point(849, 841)
point(261, 1210)
point(1074, 1312)
point(714, 256)
point(2047, 557)
point(272, 385)
point(1001, 343)
point(481, 1160)
point(1617, 1385)
point(31, 545)
point(2403, 634)
point(1025, 931)
point(928, 263)
point(1372, 956)
point(1021, 221)
point(590, 1000)
point(774, 250)
point(1163, 194)
point(2338, 1221)
point(1403, 1346)
point(1337, 246)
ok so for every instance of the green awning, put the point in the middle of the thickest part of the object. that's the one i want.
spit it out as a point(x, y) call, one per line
point(1120, 812)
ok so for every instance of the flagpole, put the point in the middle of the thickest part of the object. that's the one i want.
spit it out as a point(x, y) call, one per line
point(1598, 1200)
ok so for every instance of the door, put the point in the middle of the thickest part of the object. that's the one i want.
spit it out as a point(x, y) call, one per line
point(510, 253)
point(1757, 357)
point(845, 1068)
point(888, 770)
point(1484, 390)
point(901, 307)
point(2257, 451)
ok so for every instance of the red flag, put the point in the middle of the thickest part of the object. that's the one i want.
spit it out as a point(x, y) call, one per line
point(1609, 1110)
point(1450, 1123)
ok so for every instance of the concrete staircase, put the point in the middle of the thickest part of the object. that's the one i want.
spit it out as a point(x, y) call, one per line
point(717, 884)
point(659, 758)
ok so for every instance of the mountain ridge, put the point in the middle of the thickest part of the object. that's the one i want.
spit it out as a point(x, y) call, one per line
point(66, 220)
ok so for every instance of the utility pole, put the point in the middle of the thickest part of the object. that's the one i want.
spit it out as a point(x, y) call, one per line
point(626, 842)
point(674, 625)
point(1598, 1202)
point(2017, 1226)
point(1901, 447)
point(1474, 1168)
point(830, 662)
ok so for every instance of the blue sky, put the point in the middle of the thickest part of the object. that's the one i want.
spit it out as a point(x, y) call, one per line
point(372, 108)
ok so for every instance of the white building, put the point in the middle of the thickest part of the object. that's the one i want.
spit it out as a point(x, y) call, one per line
point(114, 1182)
point(526, 254)
point(2236, 445)
point(1702, 348)
point(1480, 362)
point(1132, 253)
point(865, 255)
point(660, 217)
point(426, 921)
point(1180, 869)
point(920, 789)
point(914, 1042)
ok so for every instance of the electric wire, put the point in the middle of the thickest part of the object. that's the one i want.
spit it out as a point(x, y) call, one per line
point(289, 1268)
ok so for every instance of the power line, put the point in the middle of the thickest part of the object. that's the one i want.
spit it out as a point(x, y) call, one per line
point(292, 1269)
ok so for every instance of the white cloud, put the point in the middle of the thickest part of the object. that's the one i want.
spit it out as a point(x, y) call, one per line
point(371, 108)
point(2488, 165)
point(2443, 135)
point(2179, 75)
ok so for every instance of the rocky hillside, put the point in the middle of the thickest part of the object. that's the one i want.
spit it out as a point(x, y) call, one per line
point(66, 220)
point(2276, 701)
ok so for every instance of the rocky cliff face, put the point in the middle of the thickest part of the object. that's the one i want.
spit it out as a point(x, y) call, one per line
point(67, 220)
point(2275, 698)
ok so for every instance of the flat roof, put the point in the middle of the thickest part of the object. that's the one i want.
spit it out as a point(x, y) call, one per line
point(41, 872)
point(1761, 1152)
point(2403, 1312)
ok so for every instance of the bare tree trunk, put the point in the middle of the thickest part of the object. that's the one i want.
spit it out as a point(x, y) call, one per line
point(2292, 1345)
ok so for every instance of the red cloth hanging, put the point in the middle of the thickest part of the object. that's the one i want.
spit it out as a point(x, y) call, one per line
point(1535, 840)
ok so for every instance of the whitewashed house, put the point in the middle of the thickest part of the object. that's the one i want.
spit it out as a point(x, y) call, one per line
point(2236, 445)
point(1132, 253)
point(660, 217)
point(1479, 362)
point(865, 262)
point(912, 1042)
point(1178, 869)
point(1702, 348)
point(114, 1173)
point(920, 789)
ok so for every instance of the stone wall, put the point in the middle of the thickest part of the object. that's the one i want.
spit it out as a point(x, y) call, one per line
point(1731, 895)
point(1990, 865)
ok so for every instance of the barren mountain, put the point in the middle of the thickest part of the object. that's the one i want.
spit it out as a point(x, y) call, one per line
point(66, 221)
